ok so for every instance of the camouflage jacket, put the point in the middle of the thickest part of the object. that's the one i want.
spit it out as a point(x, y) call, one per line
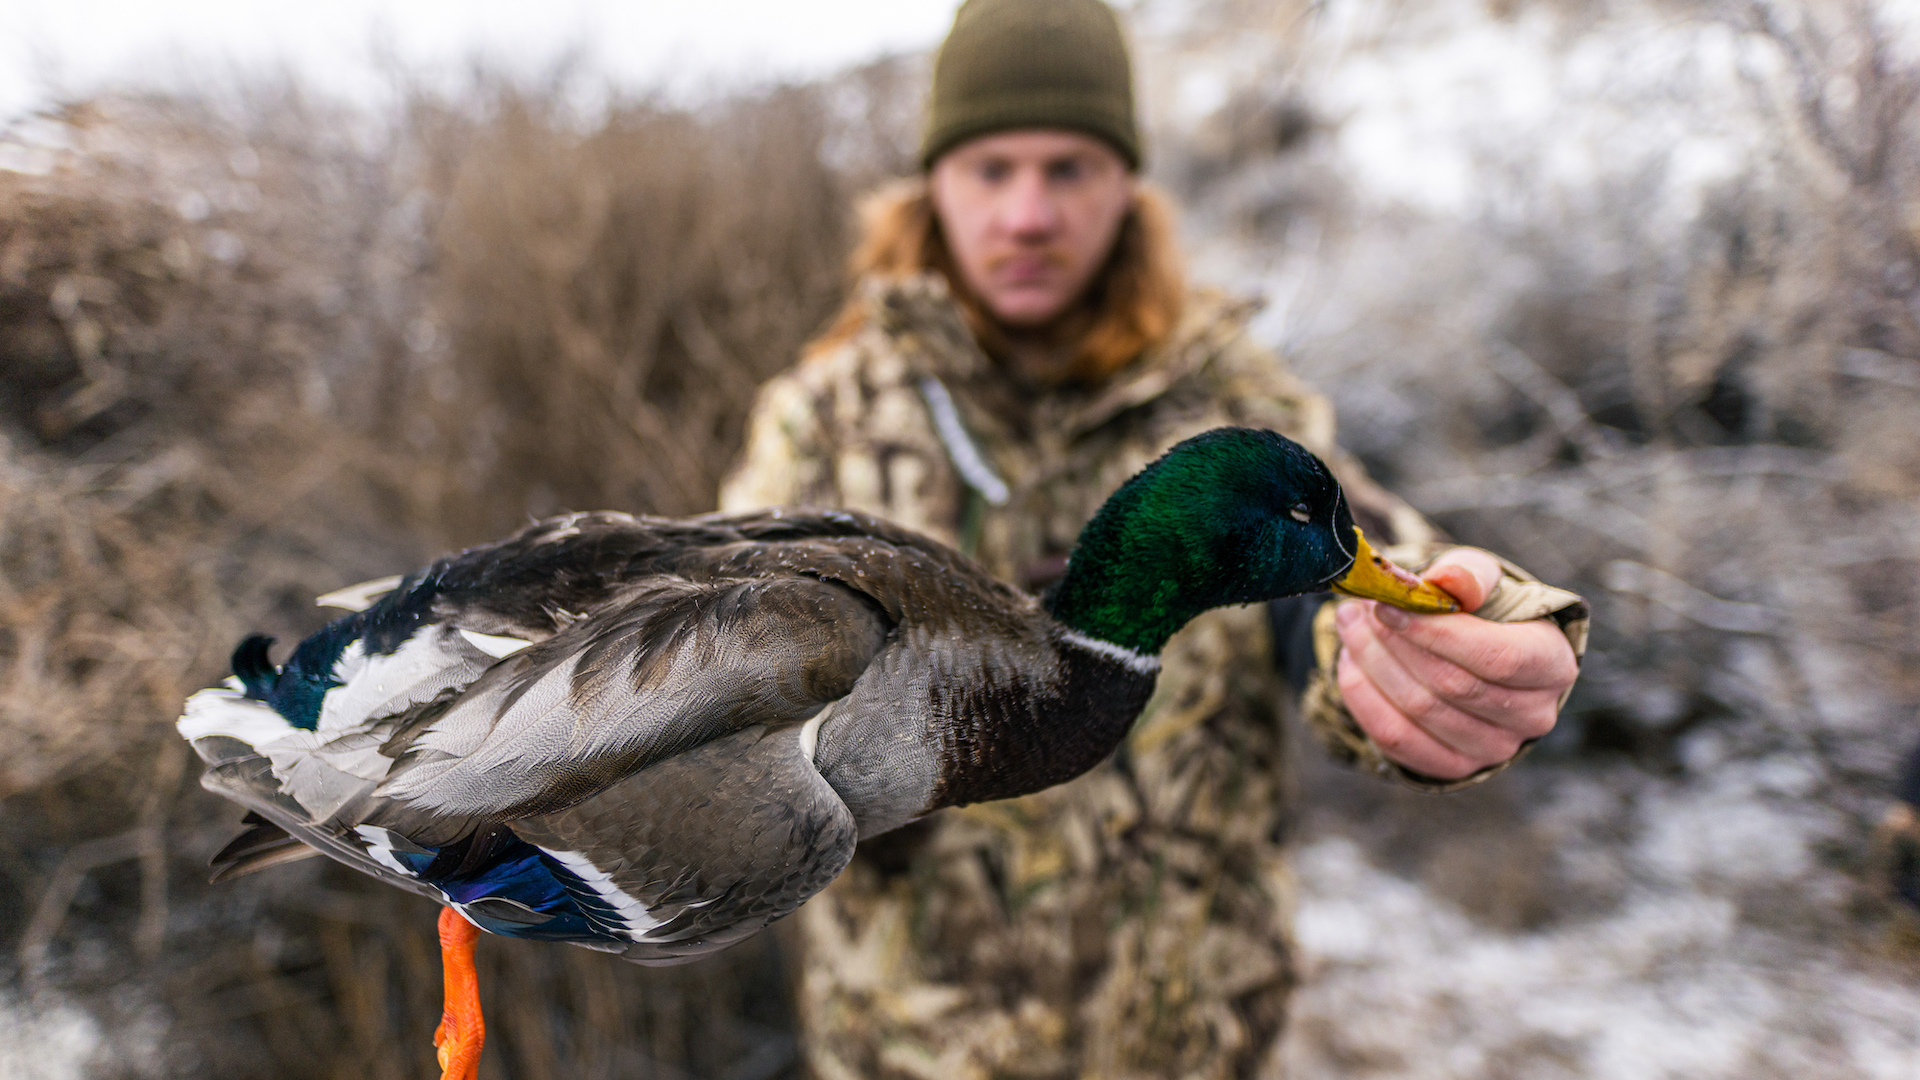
point(1131, 922)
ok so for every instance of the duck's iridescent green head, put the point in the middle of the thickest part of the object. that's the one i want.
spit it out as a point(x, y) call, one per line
point(1232, 516)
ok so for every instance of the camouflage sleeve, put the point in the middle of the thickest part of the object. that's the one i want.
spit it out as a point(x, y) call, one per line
point(786, 459)
point(1264, 393)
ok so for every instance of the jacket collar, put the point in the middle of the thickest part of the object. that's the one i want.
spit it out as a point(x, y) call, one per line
point(918, 316)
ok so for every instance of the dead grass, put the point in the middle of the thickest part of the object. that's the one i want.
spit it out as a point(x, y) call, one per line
point(611, 298)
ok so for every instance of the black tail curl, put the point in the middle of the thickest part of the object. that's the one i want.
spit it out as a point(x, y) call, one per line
point(253, 667)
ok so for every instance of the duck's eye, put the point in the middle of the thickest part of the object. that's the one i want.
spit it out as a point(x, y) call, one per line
point(1300, 513)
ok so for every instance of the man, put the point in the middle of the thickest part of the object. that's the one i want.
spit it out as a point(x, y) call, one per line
point(1021, 342)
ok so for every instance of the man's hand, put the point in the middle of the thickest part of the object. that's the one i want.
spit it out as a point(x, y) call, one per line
point(1449, 695)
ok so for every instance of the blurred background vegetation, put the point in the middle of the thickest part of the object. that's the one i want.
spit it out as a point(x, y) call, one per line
point(255, 346)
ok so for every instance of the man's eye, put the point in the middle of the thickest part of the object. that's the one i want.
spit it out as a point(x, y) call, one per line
point(1300, 513)
point(1068, 169)
point(993, 172)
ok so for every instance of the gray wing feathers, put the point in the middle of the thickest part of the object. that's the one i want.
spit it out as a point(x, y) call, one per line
point(237, 772)
point(676, 664)
point(714, 843)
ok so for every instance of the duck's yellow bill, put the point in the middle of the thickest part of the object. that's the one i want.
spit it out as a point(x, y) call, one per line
point(1374, 578)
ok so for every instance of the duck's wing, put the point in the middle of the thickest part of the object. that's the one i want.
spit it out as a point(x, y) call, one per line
point(675, 665)
point(437, 740)
point(680, 859)
point(245, 774)
point(700, 850)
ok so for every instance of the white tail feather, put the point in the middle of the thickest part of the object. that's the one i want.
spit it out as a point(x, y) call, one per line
point(359, 597)
point(220, 711)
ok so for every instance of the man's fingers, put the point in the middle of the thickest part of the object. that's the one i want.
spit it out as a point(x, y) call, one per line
point(1446, 695)
point(1459, 583)
point(1469, 575)
point(1527, 712)
point(1527, 655)
point(1426, 703)
point(1398, 738)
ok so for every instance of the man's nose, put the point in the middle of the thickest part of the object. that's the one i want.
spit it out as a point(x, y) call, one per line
point(1029, 211)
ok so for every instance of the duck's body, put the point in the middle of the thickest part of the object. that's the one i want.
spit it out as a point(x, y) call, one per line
point(655, 737)
point(705, 716)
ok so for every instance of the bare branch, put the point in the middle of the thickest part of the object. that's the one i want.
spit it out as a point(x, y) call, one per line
point(1623, 575)
point(64, 882)
point(1561, 404)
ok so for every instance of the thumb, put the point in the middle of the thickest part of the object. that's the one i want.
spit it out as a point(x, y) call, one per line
point(1467, 574)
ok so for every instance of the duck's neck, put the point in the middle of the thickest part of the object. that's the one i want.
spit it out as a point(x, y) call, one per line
point(1139, 572)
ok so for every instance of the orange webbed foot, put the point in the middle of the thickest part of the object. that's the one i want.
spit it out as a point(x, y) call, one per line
point(462, 1030)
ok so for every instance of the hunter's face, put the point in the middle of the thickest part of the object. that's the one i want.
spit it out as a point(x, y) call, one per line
point(1030, 217)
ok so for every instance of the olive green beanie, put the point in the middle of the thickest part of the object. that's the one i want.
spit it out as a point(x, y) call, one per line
point(1032, 63)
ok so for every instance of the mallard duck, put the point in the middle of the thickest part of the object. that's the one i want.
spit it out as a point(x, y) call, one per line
point(654, 737)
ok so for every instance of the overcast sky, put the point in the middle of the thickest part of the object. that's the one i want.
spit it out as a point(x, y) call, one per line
point(74, 46)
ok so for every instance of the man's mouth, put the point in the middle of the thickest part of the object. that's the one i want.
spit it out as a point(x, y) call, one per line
point(1027, 266)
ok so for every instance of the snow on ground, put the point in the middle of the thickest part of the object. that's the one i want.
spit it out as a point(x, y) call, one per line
point(50, 1038)
point(1686, 973)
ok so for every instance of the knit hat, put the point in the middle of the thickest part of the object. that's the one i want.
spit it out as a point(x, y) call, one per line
point(1032, 63)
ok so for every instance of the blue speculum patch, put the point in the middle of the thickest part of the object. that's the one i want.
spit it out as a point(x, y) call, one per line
point(527, 876)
